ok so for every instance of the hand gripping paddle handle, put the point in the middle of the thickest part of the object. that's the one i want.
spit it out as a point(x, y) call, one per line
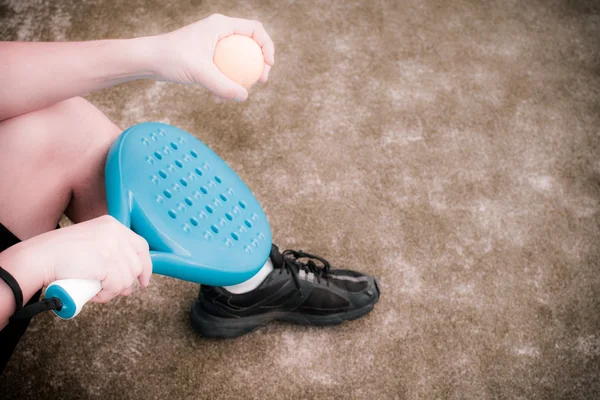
point(73, 293)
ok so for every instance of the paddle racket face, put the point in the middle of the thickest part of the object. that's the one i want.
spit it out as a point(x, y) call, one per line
point(201, 221)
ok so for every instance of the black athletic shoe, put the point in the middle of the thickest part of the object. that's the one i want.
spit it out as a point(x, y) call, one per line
point(296, 291)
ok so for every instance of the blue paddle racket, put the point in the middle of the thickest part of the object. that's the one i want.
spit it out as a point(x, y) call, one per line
point(201, 221)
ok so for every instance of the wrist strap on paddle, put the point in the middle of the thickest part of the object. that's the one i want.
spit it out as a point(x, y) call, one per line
point(28, 312)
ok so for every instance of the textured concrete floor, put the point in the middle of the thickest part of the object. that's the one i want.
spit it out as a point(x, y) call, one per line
point(450, 148)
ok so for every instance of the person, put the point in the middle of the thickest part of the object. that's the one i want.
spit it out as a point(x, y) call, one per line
point(53, 146)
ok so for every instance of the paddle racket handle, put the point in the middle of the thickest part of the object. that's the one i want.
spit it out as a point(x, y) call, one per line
point(73, 293)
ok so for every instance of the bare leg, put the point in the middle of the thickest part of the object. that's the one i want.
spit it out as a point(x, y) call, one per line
point(52, 162)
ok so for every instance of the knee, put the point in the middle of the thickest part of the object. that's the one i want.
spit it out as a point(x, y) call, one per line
point(59, 151)
point(64, 135)
point(81, 131)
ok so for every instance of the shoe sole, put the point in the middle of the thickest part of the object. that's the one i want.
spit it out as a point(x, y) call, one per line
point(211, 326)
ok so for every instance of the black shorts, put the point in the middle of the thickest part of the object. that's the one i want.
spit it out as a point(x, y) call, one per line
point(11, 334)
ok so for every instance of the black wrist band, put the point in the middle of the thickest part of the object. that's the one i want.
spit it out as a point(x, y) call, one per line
point(26, 313)
point(14, 286)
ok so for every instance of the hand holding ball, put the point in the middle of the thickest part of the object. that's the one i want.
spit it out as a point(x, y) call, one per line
point(240, 58)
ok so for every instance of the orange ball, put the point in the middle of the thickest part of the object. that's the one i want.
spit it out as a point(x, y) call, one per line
point(240, 58)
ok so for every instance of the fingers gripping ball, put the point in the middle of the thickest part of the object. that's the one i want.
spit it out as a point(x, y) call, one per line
point(240, 58)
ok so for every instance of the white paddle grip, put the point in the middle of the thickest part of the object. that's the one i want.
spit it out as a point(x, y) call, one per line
point(73, 293)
